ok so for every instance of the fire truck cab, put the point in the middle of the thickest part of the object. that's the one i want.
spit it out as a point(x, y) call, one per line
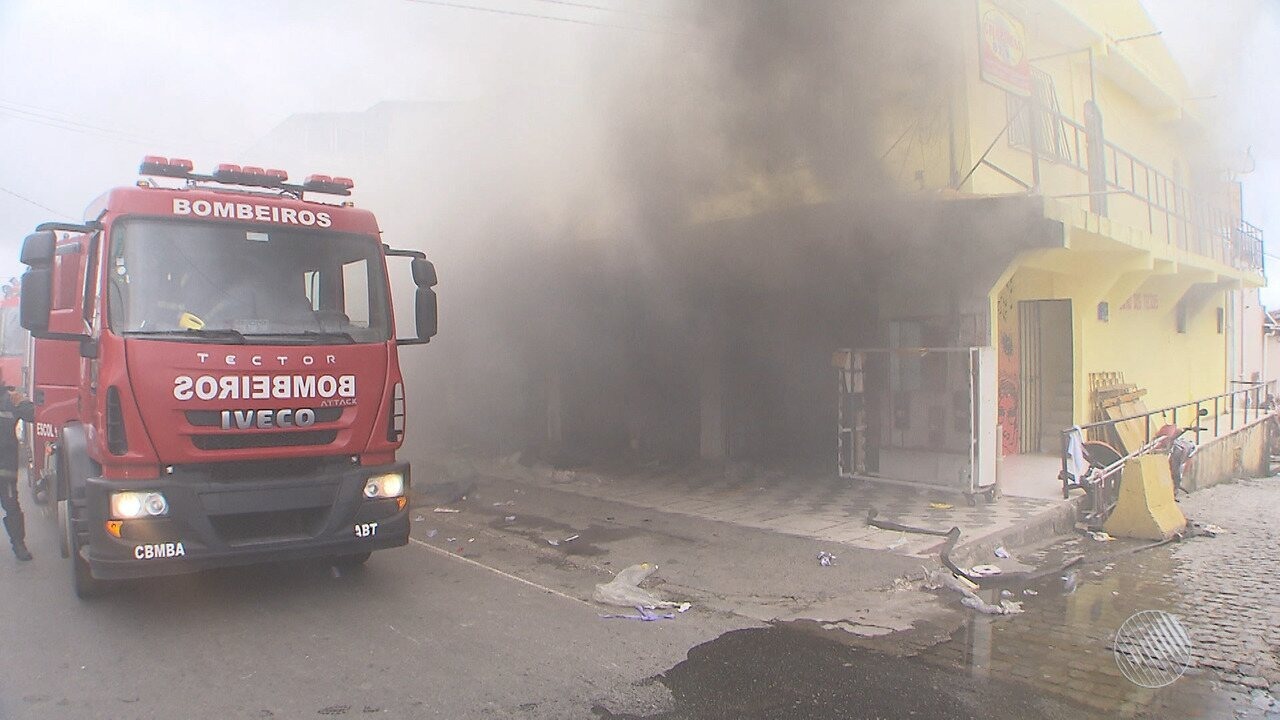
point(216, 376)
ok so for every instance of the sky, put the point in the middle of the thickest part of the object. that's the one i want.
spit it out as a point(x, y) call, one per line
point(90, 87)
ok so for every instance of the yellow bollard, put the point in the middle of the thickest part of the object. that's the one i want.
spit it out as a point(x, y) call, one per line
point(1146, 508)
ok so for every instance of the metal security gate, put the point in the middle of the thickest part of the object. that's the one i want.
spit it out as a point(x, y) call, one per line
point(918, 416)
point(1029, 339)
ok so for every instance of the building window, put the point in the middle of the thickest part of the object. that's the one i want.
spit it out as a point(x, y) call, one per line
point(1054, 139)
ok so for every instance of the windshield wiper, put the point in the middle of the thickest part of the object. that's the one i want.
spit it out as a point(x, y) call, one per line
point(308, 335)
point(218, 334)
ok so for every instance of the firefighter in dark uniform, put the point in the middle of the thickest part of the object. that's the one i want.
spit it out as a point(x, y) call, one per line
point(13, 407)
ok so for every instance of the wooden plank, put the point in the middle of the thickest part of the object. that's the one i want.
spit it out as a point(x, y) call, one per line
point(1130, 397)
point(1132, 433)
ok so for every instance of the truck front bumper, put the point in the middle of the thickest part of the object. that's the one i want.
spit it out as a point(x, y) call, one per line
point(213, 521)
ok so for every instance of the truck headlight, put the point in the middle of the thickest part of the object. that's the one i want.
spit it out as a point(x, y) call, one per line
point(133, 505)
point(387, 485)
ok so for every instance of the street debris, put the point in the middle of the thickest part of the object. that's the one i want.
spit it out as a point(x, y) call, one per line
point(940, 506)
point(432, 532)
point(646, 615)
point(446, 510)
point(510, 518)
point(1101, 536)
point(1070, 581)
point(826, 559)
point(624, 589)
point(937, 579)
point(684, 607)
point(471, 540)
point(1001, 552)
point(1006, 607)
point(899, 527)
point(571, 538)
point(984, 570)
point(553, 542)
point(504, 504)
point(1030, 592)
point(902, 540)
point(449, 540)
point(1212, 530)
point(419, 517)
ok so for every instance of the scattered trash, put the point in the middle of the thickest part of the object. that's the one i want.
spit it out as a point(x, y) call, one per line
point(1006, 594)
point(645, 615)
point(571, 538)
point(1006, 607)
point(683, 607)
point(1101, 536)
point(419, 517)
point(471, 540)
point(449, 540)
point(510, 518)
point(826, 559)
point(446, 510)
point(984, 570)
point(432, 532)
point(503, 504)
point(940, 578)
point(1001, 552)
point(1212, 530)
point(902, 540)
point(553, 542)
point(1070, 581)
point(1030, 592)
point(624, 589)
point(940, 506)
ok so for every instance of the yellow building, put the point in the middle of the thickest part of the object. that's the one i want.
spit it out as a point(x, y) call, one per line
point(1145, 275)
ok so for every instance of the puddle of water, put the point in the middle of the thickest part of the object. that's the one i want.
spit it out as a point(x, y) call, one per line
point(1061, 646)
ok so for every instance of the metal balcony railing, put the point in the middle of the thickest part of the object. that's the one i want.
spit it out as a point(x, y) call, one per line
point(1189, 221)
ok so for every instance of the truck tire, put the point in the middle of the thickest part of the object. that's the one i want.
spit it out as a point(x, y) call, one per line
point(82, 580)
point(74, 468)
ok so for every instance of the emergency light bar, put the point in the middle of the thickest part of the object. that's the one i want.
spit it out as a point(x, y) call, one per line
point(230, 174)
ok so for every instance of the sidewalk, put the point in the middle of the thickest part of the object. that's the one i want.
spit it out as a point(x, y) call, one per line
point(828, 510)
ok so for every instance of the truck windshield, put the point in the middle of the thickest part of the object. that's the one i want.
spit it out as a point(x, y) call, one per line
point(230, 282)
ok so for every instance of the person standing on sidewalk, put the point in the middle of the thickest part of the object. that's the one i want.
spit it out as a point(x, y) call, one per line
point(13, 407)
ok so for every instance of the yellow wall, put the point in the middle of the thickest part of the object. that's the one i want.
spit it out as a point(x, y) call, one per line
point(1142, 342)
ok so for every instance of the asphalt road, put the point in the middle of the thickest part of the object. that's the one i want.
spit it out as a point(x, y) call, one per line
point(414, 634)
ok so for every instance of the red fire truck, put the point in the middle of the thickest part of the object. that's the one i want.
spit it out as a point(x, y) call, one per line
point(215, 374)
point(13, 339)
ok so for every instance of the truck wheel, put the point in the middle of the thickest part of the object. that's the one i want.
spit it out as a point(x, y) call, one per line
point(82, 580)
point(351, 562)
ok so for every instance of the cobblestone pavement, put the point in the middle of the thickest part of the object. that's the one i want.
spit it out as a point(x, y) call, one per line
point(1223, 590)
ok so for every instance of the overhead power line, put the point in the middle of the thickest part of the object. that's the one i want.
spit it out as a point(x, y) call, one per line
point(535, 16)
point(589, 6)
point(40, 205)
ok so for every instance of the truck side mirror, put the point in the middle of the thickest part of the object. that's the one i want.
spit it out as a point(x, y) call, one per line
point(38, 249)
point(426, 312)
point(36, 300)
point(424, 273)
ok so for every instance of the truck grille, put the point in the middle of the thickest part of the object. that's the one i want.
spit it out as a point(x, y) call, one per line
point(248, 528)
point(264, 439)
